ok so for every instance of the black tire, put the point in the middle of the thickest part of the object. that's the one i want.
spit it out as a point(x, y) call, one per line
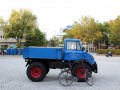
point(36, 72)
point(75, 68)
point(47, 69)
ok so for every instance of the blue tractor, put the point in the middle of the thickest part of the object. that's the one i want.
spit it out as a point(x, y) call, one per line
point(41, 59)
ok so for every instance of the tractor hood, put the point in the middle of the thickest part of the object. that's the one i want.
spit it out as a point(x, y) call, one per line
point(89, 57)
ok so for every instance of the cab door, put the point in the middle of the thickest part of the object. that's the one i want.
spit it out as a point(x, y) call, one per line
point(73, 51)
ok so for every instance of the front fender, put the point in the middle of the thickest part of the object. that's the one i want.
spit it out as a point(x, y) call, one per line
point(88, 57)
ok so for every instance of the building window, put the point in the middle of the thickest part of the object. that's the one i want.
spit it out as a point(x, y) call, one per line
point(4, 46)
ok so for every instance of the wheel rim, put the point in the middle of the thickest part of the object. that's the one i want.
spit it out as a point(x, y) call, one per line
point(81, 72)
point(36, 72)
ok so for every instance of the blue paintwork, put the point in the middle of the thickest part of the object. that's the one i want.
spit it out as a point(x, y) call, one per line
point(87, 56)
point(42, 53)
point(58, 53)
point(74, 55)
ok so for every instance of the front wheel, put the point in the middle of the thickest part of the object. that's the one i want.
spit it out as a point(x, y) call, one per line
point(36, 72)
point(79, 70)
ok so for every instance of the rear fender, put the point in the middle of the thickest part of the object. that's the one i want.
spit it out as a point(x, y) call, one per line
point(28, 62)
point(46, 64)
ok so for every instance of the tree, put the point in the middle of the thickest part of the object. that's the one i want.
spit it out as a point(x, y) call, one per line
point(1, 23)
point(115, 31)
point(20, 23)
point(36, 39)
point(104, 29)
point(53, 42)
point(86, 28)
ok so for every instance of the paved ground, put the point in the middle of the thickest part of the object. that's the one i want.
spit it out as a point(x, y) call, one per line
point(13, 76)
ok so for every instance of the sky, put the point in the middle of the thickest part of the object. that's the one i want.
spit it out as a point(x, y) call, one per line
point(52, 15)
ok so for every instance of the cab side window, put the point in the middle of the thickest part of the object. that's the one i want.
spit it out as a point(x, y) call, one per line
point(73, 46)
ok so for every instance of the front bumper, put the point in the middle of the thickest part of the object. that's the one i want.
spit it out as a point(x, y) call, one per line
point(94, 68)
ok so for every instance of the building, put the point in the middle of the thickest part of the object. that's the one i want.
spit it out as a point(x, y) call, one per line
point(7, 43)
point(62, 32)
point(68, 27)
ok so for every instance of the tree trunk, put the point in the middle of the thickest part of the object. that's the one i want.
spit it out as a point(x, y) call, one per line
point(18, 42)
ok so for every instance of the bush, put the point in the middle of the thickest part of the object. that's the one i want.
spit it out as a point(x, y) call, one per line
point(104, 51)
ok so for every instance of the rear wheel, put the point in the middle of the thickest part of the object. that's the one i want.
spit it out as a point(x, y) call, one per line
point(36, 72)
point(80, 71)
point(48, 69)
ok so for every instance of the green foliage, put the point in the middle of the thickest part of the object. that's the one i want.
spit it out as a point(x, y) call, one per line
point(86, 29)
point(104, 29)
point(104, 51)
point(1, 20)
point(53, 42)
point(1, 23)
point(65, 36)
point(36, 39)
point(20, 23)
point(115, 31)
point(90, 31)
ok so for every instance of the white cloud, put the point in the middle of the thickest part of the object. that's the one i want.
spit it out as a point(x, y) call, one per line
point(55, 14)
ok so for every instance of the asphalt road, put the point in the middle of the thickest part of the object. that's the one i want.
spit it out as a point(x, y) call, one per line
point(13, 76)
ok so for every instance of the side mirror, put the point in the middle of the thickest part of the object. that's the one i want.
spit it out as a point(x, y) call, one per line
point(83, 48)
point(86, 50)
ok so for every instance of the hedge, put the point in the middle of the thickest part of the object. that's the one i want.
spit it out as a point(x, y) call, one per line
point(104, 51)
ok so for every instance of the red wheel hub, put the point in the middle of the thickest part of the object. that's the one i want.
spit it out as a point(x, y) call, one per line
point(81, 72)
point(36, 72)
